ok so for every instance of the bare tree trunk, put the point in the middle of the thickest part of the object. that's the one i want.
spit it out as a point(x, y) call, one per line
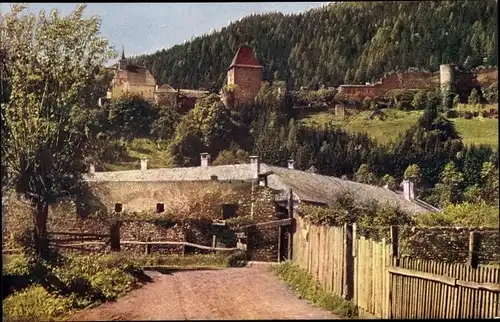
point(40, 216)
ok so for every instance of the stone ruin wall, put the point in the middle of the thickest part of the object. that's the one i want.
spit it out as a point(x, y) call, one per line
point(448, 78)
point(409, 80)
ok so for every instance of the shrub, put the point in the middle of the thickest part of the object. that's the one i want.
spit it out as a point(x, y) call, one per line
point(468, 115)
point(17, 264)
point(451, 114)
point(35, 303)
point(465, 214)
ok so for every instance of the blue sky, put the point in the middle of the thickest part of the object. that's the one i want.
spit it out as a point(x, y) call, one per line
point(148, 27)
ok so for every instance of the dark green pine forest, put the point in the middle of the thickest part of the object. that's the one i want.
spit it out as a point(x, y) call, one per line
point(343, 42)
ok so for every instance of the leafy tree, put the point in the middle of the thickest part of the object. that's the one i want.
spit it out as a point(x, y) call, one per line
point(131, 116)
point(466, 214)
point(449, 186)
point(413, 173)
point(472, 194)
point(364, 175)
point(455, 101)
point(419, 100)
point(163, 128)
point(474, 97)
point(52, 62)
point(389, 181)
point(489, 176)
point(233, 155)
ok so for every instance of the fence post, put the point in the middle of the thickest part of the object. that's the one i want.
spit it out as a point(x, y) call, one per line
point(148, 246)
point(394, 260)
point(280, 232)
point(247, 253)
point(290, 228)
point(348, 262)
point(355, 280)
point(394, 252)
point(184, 242)
point(472, 260)
point(214, 242)
point(114, 239)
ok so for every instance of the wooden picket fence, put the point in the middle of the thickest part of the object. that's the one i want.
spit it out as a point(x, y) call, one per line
point(372, 275)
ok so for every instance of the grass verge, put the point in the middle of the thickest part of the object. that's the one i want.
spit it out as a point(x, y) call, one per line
point(309, 289)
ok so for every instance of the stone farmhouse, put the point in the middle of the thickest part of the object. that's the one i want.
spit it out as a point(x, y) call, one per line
point(147, 187)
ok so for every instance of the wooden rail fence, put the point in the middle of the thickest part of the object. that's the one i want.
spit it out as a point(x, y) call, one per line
point(380, 282)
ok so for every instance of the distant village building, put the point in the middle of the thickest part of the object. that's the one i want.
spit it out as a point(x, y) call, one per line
point(244, 75)
point(131, 79)
point(137, 80)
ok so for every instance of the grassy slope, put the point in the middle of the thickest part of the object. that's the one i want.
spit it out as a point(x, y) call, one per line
point(139, 148)
point(477, 130)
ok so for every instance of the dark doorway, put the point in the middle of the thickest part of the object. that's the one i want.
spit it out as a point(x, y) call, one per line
point(118, 207)
point(229, 211)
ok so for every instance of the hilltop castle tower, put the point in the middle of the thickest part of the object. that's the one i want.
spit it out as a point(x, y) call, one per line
point(245, 75)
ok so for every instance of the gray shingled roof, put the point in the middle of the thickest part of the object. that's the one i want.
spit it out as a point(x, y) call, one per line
point(306, 186)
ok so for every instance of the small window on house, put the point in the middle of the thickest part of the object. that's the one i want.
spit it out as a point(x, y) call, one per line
point(160, 207)
point(229, 211)
point(118, 207)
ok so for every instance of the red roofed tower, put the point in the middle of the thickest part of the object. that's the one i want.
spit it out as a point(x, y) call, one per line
point(246, 73)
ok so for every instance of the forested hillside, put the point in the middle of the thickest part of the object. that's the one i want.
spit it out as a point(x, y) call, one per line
point(342, 42)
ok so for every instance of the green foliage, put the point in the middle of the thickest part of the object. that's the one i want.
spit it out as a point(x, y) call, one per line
point(413, 173)
point(131, 116)
point(163, 127)
point(466, 214)
point(35, 304)
point(455, 101)
point(346, 210)
point(389, 181)
point(52, 62)
point(233, 155)
point(309, 289)
point(82, 280)
point(448, 189)
point(491, 93)
point(364, 175)
point(489, 176)
point(474, 97)
point(16, 265)
point(419, 100)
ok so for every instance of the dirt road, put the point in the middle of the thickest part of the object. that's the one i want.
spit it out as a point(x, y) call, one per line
point(233, 293)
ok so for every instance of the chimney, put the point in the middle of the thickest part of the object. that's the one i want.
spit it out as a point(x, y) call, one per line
point(290, 164)
point(205, 160)
point(255, 166)
point(144, 164)
point(92, 168)
point(408, 190)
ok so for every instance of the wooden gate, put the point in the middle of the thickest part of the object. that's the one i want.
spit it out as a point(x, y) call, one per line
point(268, 241)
